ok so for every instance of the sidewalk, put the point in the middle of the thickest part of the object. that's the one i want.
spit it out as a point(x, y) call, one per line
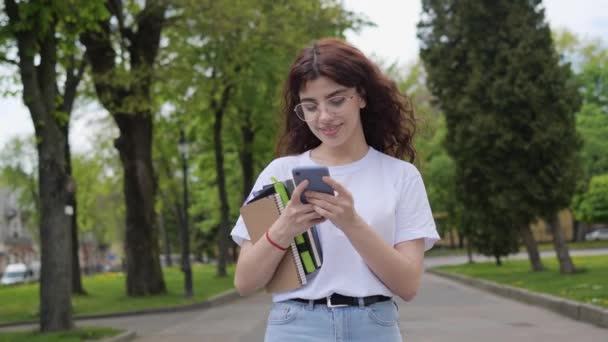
point(442, 311)
point(462, 259)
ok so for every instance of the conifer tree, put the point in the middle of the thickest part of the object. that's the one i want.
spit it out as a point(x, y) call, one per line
point(509, 106)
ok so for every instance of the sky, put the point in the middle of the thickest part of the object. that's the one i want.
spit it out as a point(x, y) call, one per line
point(393, 39)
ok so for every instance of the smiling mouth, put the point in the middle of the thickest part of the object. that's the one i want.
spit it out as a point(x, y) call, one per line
point(330, 130)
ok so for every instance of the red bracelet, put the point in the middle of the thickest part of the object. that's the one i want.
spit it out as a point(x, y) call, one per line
point(274, 243)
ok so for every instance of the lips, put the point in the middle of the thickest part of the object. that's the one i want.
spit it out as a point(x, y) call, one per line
point(330, 130)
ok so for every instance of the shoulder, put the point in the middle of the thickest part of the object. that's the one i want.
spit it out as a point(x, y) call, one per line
point(399, 175)
point(396, 168)
point(281, 163)
point(280, 167)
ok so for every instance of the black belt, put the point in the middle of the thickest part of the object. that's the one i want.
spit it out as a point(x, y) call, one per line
point(337, 300)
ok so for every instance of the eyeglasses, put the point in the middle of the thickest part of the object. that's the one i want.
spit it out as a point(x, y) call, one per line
point(309, 111)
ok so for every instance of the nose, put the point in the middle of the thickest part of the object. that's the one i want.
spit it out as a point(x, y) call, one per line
point(324, 114)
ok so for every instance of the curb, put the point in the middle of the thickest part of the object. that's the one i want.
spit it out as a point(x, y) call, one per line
point(124, 337)
point(566, 307)
point(216, 300)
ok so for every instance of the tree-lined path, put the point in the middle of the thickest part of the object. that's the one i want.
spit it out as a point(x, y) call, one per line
point(443, 311)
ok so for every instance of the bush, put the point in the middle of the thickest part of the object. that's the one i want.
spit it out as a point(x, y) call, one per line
point(593, 205)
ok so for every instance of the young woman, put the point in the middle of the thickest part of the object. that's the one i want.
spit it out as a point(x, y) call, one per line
point(340, 111)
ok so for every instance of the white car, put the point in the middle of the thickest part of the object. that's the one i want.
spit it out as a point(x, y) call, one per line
point(598, 234)
point(20, 273)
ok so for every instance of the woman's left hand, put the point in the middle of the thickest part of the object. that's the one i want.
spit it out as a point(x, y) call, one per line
point(339, 209)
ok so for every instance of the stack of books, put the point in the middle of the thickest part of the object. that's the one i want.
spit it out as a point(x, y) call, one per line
point(304, 256)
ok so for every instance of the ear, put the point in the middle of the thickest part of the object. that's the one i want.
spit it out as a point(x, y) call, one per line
point(362, 103)
point(361, 96)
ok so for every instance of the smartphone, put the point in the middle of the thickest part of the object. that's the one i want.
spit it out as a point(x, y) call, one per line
point(314, 175)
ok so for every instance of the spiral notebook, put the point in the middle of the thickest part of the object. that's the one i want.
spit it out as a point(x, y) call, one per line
point(304, 255)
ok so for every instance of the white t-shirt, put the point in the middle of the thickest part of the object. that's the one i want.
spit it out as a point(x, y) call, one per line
point(388, 194)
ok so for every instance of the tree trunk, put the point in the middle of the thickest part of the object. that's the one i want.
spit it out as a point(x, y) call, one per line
point(247, 165)
point(77, 287)
point(144, 275)
point(579, 231)
point(470, 252)
point(40, 94)
point(222, 237)
point(130, 105)
point(532, 248)
point(498, 260)
point(246, 156)
point(451, 236)
point(561, 248)
point(55, 237)
point(73, 77)
point(583, 228)
point(166, 243)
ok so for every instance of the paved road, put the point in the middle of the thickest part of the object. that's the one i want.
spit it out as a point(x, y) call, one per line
point(461, 259)
point(442, 311)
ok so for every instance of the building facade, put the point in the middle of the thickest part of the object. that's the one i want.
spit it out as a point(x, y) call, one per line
point(16, 243)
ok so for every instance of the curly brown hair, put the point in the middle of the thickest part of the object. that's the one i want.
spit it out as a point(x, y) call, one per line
point(388, 118)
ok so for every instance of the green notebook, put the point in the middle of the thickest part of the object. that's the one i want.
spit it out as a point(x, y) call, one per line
point(307, 243)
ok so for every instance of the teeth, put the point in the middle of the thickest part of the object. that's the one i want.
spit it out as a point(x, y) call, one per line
point(330, 129)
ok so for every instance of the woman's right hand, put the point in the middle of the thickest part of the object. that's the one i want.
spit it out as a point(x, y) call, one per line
point(295, 219)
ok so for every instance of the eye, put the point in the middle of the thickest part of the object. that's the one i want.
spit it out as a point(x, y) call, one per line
point(309, 106)
point(336, 101)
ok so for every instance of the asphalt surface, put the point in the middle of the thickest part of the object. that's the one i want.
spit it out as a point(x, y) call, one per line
point(442, 311)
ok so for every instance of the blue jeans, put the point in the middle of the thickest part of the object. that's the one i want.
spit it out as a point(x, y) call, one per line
point(295, 321)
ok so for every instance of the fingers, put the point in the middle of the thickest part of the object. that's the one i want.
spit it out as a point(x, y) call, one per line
point(322, 212)
point(297, 192)
point(309, 217)
point(325, 205)
point(310, 195)
point(336, 186)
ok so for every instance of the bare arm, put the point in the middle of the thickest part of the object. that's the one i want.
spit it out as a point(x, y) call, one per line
point(258, 261)
point(256, 265)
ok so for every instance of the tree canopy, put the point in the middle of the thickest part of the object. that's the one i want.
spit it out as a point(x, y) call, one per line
point(509, 105)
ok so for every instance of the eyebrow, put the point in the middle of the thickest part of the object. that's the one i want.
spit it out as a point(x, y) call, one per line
point(330, 95)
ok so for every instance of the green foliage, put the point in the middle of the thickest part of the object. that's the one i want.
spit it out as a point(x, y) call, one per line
point(19, 173)
point(590, 59)
point(489, 239)
point(75, 335)
point(240, 51)
point(436, 166)
point(101, 207)
point(98, 179)
point(592, 125)
point(509, 107)
point(38, 17)
point(592, 206)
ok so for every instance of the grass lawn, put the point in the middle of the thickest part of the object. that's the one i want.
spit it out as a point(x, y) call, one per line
point(545, 246)
point(573, 245)
point(589, 285)
point(76, 335)
point(107, 294)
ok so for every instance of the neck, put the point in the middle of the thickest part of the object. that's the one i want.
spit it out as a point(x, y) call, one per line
point(339, 155)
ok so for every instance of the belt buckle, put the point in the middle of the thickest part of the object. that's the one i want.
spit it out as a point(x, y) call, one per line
point(330, 305)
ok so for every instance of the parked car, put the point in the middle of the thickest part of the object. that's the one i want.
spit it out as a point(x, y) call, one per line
point(598, 234)
point(20, 273)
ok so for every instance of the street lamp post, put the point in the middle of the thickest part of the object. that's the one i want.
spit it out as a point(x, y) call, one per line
point(185, 235)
